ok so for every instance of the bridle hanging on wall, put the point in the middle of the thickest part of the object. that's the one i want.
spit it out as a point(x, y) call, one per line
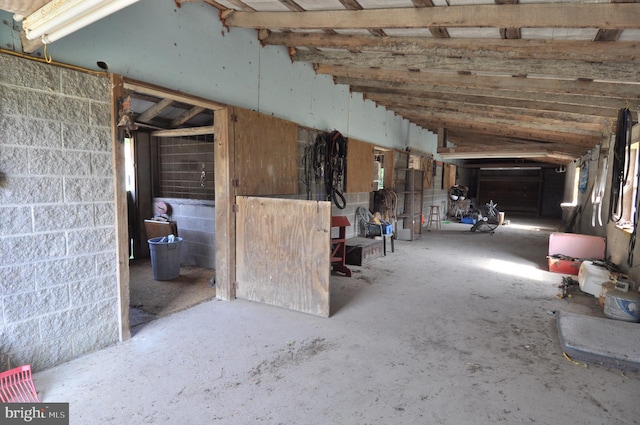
point(325, 162)
point(620, 165)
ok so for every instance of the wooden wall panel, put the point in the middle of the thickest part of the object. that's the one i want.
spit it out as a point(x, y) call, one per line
point(225, 224)
point(389, 160)
point(428, 172)
point(266, 154)
point(449, 176)
point(282, 252)
point(512, 193)
point(359, 166)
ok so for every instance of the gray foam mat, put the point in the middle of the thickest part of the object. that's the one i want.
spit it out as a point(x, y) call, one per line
point(600, 340)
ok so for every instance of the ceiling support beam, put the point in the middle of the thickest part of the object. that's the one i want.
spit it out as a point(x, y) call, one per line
point(569, 69)
point(530, 15)
point(621, 51)
point(453, 105)
point(550, 132)
point(467, 81)
point(186, 116)
point(154, 111)
point(185, 132)
point(543, 100)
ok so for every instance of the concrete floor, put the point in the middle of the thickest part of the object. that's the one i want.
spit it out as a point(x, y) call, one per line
point(150, 299)
point(453, 328)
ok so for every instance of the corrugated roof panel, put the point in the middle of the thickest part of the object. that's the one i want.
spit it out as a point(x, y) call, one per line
point(468, 2)
point(630, 35)
point(474, 32)
point(267, 5)
point(353, 31)
point(559, 33)
point(408, 32)
point(562, 1)
point(320, 4)
point(384, 4)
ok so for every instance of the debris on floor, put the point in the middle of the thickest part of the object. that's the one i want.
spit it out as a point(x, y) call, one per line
point(568, 285)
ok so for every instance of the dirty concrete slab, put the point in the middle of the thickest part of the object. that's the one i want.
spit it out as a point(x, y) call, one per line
point(600, 340)
point(453, 328)
point(157, 298)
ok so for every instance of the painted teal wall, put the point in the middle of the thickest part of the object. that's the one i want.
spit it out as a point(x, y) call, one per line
point(187, 49)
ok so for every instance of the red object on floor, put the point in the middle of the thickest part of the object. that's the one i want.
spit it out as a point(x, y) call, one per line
point(568, 250)
point(339, 246)
point(16, 386)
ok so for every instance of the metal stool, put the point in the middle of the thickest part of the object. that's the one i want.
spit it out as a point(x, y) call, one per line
point(434, 217)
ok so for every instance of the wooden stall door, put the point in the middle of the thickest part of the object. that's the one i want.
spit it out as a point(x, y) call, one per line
point(282, 253)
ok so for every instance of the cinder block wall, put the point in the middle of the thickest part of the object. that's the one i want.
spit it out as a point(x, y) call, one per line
point(58, 284)
point(196, 226)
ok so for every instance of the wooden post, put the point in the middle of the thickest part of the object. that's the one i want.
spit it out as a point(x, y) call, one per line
point(442, 137)
point(224, 157)
point(120, 199)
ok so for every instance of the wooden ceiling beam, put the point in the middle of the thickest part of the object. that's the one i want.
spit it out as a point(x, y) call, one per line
point(422, 98)
point(184, 132)
point(455, 106)
point(469, 81)
point(154, 110)
point(529, 147)
point(462, 137)
point(187, 115)
point(621, 51)
point(437, 32)
point(569, 69)
point(531, 15)
point(530, 154)
point(593, 105)
point(532, 124)
point(507, 128)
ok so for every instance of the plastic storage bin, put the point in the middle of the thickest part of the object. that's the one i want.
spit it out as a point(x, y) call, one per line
point(165, 258)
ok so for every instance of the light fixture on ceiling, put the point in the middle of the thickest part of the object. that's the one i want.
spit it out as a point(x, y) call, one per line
point(59, 18)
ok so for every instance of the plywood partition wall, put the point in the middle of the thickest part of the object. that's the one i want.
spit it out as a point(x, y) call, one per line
point(282, 253)
point(266, 154)
point(449, 176)
point(359, 166)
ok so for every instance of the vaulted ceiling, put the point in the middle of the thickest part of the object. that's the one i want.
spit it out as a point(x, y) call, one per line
point(541, 80)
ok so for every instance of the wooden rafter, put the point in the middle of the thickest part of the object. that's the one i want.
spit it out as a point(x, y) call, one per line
point(186, 116)
point(612, 71)
point(543, 15)
point(628, 92)
point(575, 50)
point(184, 132)
point(517, 103)
point(154, 110)
point(592, 105)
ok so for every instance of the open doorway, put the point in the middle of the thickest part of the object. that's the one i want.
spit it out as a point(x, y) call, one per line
point(169, 181)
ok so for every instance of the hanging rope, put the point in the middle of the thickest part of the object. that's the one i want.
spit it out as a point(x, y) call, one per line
point(388, 204)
